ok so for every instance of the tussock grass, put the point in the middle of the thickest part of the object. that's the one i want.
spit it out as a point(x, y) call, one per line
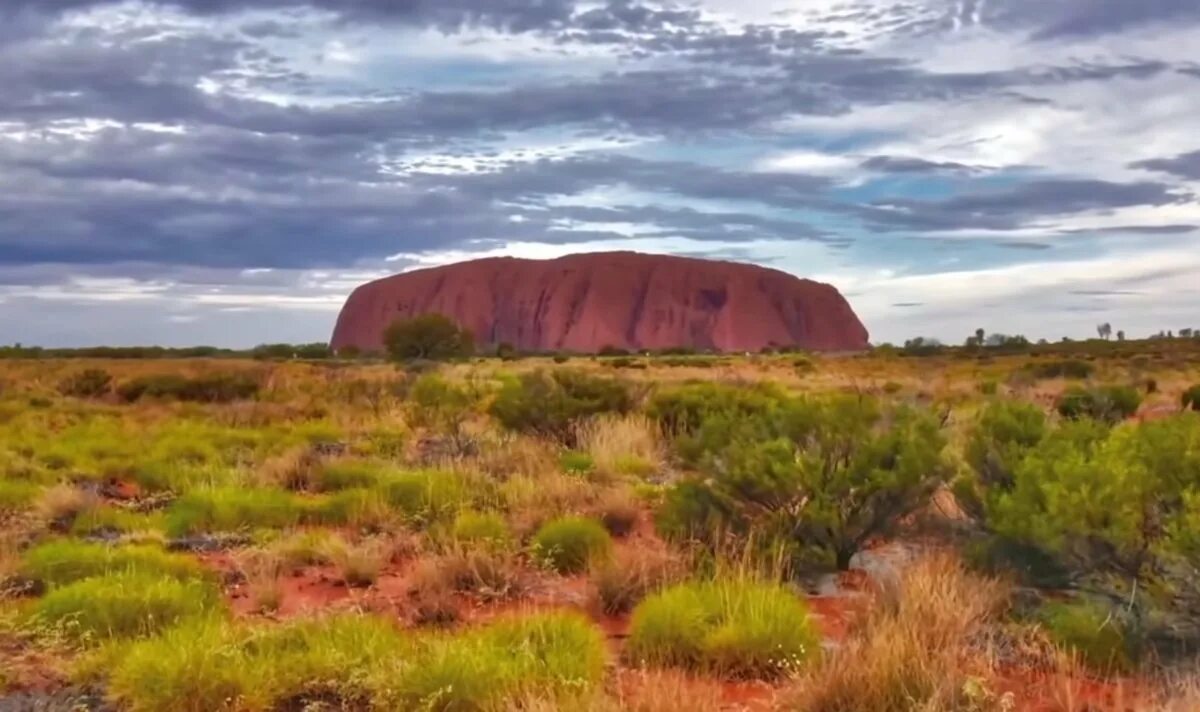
point(621, 444)
point(64, 561)
point(623, 581)
point(570, 544)
point(123, 605)
point(731, 626)
point(912, 650)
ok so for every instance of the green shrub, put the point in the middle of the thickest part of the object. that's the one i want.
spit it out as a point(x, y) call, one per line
point(215, 388)
point(160, 386)
point(1090, 631)
point(988, 388)
point(1070, 368)
point(484, 528)
point(729, 627)
point(1110, 404)
point(569, 544)
point(819, 477)
point(429, 337)
point(349, 474)
point(1191, 398)
point(123, 605)
point(549, 403)
point(64, 561)
point(1003, 433)
point(574, 462)
point(89, 383)
point(16, 495)
point(440, 405)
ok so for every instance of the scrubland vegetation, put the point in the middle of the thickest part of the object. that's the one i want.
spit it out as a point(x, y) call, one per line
point(969, 529)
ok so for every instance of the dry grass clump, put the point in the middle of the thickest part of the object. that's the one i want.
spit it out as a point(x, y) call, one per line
point(359, 563)
point(632, 574)
point(621, 444)
point(912, 651)
point(263, 570)
point(618, 510)
point(60, 504)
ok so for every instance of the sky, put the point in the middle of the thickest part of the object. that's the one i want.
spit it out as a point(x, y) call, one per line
point(225, 172)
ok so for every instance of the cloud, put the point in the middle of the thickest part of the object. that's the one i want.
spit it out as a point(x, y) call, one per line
point(1186, 165)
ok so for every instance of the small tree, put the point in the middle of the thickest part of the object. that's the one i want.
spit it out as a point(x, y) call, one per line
point(429, 336)
point(1104, 330)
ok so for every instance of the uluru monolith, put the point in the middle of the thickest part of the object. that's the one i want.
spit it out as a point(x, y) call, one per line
point(584, 303)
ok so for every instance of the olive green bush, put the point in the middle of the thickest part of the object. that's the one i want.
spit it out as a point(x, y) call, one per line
point(1110, 404)
point(550, 403)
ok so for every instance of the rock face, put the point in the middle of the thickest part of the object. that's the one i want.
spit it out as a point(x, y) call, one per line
point(583, 303)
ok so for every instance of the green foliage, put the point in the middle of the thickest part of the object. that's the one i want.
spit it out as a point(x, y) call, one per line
point(89, 383)
point(231, 509)
point(123, 605)
point(487, 529)
point(1069, 368)
point(1003, 433)
point(441, 405)
point(1191, 398)
point(16, 495)
point(730, 627)
point(684, 411)
point(63, 561)
point(214, 388)
point(549, 403)
point(574, 462)
point(349, 474)
point(433, 337)
point(569, 544)
point(1092, 632)
point(358, 662)
point(1110, 404)
point(428, 496)
point(818, 476)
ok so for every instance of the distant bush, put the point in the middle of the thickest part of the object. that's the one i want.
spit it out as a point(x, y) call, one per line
point(550, 403)
point(216, 388)
point(430, 337)
point(1191, 398)
point(89, 383)
point(1109, 404)
point(609, 351)
point(570, 544)
point(123, 605)
point(1092, 632)
point(561, 358)
point(1071, 368)
point(729, 627)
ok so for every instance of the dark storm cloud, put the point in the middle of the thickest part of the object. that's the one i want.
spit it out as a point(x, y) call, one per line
point(1014, 207)
point(906, 164)
point(1186, 165)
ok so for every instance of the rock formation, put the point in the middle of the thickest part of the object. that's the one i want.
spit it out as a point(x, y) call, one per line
point(583, 303)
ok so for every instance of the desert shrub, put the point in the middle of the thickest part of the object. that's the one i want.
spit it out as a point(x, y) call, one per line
point(618, 511)
point(1110, 404)
point(486, 529)
point(682, 410)
point(560, 358)
point(214, 388)
point(817, 476)
point(432, 337)
point(109, 519)
point(621, 444)
point(440, 405)
point(1191, 398)
point(159, 386)
point(574, 462)
point(359, 564)
point(550, 403)
point(347, 474)
point(63, 561)
point(1003, 433)
point(988, 388)
point(230, 509)
point(1092, 632)
point(123, 605)
point(730, 627)
point(571, 544)
point(359, 507)
point(89, 383)
point(1070, 368)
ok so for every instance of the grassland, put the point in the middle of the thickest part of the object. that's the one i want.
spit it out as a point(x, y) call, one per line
point(963, 530)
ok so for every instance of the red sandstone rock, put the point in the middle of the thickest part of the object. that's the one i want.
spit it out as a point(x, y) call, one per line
point(582, 303)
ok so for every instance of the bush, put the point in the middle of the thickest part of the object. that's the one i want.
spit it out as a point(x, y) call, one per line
point(429, 337)
point(1191, 398)
point(550, 403)
point(349, 474)
point(161, 386)
point(621, 583)
point(576, 463)
point(123, 605)
point(427, 496)
point(231, 509)
point(729, 627)
point(440, 405)
point(90, 383)
point(1109, 404)
point(570, 544)
point(819, 477)
point(65, 561)
point(215, 388)
point(1071, 368)
point(1090, 631)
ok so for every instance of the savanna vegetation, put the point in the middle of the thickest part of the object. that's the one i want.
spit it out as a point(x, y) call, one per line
point(996, 526)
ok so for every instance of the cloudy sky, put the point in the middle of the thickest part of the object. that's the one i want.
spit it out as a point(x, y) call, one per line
point(226, 171)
